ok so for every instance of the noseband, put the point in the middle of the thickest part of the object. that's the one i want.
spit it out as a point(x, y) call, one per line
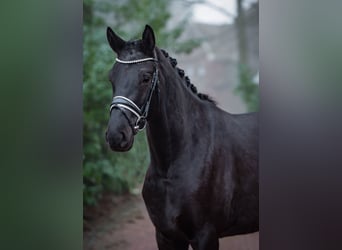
point(123, 103)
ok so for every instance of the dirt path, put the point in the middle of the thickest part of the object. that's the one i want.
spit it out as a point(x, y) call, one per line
point(123, 224)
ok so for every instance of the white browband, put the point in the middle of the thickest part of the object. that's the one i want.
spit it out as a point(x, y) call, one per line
point(136, 61)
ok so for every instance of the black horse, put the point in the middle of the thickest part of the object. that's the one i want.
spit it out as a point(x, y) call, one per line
point(202, 182)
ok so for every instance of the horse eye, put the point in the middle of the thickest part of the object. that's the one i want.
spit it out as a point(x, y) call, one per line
point(146, 78)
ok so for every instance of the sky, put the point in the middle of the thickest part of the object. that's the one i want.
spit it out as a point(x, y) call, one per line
point(203, 13)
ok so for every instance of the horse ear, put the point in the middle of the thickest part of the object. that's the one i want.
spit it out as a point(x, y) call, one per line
point(148, 38)
point(115, 42)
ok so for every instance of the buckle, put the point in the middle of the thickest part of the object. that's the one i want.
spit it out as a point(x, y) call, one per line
point(140, 124)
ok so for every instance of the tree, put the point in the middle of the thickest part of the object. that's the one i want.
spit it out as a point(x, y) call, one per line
point(247, 89)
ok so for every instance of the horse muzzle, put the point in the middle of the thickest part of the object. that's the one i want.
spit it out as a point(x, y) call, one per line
point(119, 138)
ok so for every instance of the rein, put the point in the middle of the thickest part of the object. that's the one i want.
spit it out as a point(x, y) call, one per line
point(123, 103)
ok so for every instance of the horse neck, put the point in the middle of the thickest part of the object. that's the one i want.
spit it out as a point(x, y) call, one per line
point(171, 124)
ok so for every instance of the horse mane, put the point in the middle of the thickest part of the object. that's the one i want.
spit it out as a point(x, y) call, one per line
point(186, 79)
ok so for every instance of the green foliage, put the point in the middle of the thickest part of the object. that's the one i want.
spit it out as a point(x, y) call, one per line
point(103, 169)
point(248, 89)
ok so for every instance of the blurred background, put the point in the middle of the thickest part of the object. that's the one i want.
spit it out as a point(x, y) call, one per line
point(215, 42)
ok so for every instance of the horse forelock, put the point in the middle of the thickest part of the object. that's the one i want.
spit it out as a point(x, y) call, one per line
point(133, 50)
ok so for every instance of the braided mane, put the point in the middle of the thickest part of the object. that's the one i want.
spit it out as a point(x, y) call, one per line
point(186, 79)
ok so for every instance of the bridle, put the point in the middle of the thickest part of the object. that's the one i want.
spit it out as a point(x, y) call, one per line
point(123, 103)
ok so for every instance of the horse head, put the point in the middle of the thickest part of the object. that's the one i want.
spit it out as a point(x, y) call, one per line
point(134, 77)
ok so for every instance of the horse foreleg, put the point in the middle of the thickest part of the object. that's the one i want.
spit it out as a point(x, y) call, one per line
point(165, 243)
point(206, 239)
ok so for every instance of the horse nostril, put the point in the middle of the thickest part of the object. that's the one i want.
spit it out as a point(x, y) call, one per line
point(118, 140)
point(123, 142)
point(123, 137)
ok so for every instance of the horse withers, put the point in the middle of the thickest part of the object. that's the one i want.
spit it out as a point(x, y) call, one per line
point(202, 182)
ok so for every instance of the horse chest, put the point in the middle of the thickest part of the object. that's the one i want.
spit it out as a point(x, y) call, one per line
point(164, 203)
